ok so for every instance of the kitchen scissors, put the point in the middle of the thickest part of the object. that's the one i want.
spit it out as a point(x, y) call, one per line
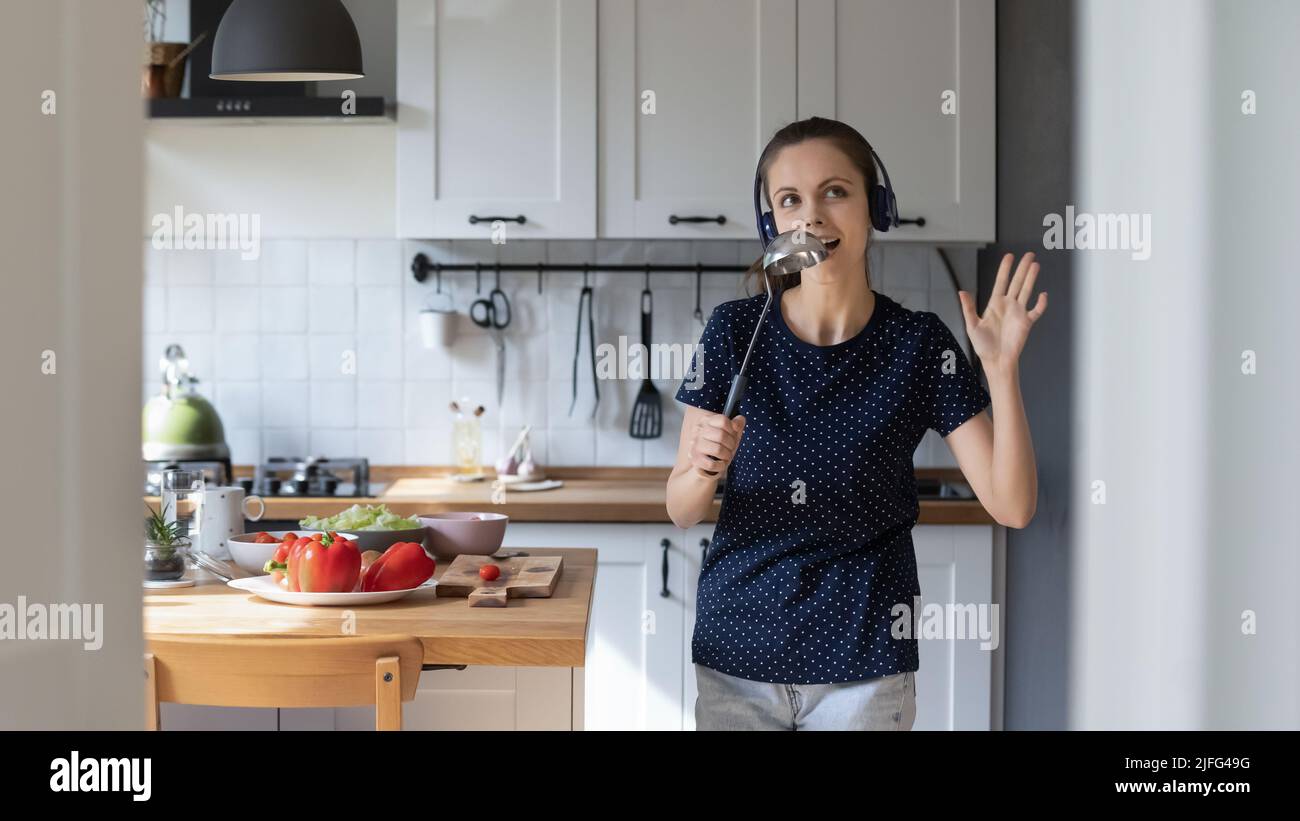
point(493, 314)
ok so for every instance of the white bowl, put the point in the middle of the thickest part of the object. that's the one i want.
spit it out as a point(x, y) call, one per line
point(252, 556)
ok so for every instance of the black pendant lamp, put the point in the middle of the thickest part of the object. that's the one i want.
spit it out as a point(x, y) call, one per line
point(286, 40)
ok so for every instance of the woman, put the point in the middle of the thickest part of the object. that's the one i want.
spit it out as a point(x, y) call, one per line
point(812, 562)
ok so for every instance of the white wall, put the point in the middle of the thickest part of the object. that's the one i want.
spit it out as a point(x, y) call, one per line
point(304, 181)
point(1198, 459)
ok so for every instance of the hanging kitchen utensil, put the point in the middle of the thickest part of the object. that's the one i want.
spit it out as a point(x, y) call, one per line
point(647, 421)
point(493, 314)
point(587, 296)
point(438, 325)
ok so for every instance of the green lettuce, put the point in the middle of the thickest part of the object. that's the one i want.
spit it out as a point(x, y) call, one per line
point(360, 517)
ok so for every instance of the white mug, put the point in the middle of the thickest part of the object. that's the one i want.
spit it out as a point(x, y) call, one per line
point(438, 328)
point(221, 515)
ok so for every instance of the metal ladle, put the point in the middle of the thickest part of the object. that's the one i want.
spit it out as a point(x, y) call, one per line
point(784, 255)
point(787, 253)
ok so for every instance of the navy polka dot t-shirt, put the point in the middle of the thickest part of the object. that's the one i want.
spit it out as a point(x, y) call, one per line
point(813, 546)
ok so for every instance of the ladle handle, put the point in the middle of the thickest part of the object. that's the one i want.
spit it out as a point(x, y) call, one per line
point(738, 384)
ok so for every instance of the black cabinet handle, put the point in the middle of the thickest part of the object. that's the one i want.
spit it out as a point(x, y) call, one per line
point(475, 219)
point(704, 551)
point(665, 544)
point(919, 222)
point(673, 219)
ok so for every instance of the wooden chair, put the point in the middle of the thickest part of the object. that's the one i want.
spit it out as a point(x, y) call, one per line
point(243, 671)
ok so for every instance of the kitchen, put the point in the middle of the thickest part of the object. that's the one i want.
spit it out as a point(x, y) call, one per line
point(377, 382)
point(459, 293)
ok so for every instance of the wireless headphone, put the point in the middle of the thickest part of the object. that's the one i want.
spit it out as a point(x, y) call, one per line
point(883, 206)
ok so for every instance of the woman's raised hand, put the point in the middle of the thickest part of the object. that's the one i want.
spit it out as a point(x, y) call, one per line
point(999, 335)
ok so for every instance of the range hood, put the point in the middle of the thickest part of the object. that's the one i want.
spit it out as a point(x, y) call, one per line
point(208, 98)
point(244, 106)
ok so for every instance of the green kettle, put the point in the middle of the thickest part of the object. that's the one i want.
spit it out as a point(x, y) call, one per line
point(178, 423)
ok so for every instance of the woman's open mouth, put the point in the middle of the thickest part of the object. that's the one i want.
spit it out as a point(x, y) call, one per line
point(831, 245)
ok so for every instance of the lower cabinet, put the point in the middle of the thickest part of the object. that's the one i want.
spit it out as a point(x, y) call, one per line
point(639, 674)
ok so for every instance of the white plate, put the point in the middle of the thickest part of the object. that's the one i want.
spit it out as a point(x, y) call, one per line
point(516, 479)
point(266, 588)
point(547, 484)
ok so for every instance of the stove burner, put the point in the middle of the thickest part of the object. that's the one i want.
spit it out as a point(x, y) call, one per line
point(313, 476)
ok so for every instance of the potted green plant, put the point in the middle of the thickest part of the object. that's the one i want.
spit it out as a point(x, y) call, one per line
point(164, 547)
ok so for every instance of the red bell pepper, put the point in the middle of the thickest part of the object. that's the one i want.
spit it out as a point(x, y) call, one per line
point(325, 565)
point(403, 566)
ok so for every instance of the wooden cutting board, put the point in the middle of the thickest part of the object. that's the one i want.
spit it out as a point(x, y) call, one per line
point(521, 577)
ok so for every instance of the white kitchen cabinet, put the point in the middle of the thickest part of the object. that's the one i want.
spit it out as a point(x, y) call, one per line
point(690, 93)
point(954, 687)
point(496, 118)
point(698, 540)
point(888, 68)
point(633, 677)
point(479, 697)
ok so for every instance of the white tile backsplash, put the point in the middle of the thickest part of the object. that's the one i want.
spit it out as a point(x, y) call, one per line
point(331, 262)
point(188, 267)
point(380, 262)
point(284, 262)
point(315, 348)
point(333, 405)
point(332, 356)
point(232, 269)
point(284, 358)
point(238, 308)
point(189, 308)
point(332, 308)
point(283, 310)
point(380, 405)
point(239, 356)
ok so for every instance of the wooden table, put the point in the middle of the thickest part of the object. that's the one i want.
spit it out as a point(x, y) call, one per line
point(550, 632)
point(538, 644)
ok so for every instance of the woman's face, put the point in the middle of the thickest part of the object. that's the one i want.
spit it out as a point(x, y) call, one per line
point(816, 185)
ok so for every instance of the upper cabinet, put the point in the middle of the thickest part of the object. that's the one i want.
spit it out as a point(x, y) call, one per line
point(917, 79)
point(507, 108)
point(690, 92)
point(496, 118)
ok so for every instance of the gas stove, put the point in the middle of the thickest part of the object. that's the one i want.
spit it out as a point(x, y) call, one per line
point(315, 476)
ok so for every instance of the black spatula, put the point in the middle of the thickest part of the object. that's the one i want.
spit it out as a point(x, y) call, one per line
point(647, 413)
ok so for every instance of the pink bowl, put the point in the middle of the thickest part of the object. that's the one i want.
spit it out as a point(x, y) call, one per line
point(478, 534)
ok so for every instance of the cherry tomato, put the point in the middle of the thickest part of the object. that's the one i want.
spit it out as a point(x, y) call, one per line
point(264, 538)
point(489, 572)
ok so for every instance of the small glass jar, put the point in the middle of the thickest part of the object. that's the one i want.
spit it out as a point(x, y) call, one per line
point(165, 562)
point(467, 443)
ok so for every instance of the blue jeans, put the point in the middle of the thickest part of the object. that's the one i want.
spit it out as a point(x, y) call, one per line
point(729, 703)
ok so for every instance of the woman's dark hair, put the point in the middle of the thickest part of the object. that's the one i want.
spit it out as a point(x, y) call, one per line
point(848, 140)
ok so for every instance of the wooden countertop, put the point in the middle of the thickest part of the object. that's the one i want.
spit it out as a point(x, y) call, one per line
point(594, 495)
point(541, 632)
